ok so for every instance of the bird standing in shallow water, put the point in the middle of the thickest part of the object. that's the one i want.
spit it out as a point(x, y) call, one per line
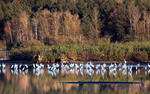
point(125, 61)
point(3, 65)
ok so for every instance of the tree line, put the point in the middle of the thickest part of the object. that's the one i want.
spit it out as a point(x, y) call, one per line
point(74, 21)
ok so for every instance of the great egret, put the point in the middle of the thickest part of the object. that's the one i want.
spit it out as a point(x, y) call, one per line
point(125, 61)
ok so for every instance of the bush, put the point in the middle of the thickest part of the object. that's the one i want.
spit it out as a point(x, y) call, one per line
point(21, 54)
point(139, 57)
point(26, 50)
point(2, 47)
point(105, 51)
point(29, 43)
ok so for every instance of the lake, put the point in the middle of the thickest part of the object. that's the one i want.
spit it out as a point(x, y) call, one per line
point(87, 78)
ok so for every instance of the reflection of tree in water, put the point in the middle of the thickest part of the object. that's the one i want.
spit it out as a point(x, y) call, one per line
point(30, 84)
point(5, 76)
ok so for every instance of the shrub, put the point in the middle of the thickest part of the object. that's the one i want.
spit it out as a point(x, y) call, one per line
point(29, 43)
point(139, 56)
point(2, 47)
point(105, 51)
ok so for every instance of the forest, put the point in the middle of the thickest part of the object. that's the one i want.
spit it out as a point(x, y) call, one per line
point(108, 30)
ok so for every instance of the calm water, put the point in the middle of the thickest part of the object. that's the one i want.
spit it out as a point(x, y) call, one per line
point(75, 78)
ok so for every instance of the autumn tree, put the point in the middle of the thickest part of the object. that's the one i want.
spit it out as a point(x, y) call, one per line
point(95, 25)
point(134, 17)
point(39, 24)
point(72, 28)
point(55, 24)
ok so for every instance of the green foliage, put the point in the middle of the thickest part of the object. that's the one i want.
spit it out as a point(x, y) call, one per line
point(25, 50)
point(2, 47)
point(106, 7)
point(1, 13)
point(139, 56)
point(11, 10)
point(121, 25)
point(112, 15)
point(106, 51)
point(30, 43)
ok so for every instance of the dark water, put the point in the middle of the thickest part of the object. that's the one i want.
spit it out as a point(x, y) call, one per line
point(75, 79)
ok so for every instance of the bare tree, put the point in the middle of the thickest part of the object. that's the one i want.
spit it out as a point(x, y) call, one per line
point(10, 31)
point(55, 23)
point(35, 28)
point(24, 25)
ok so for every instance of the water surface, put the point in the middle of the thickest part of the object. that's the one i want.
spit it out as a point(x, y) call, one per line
point(75, 78)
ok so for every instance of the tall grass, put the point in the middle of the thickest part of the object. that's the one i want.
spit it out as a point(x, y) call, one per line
point(100, 50)
point(2, 47)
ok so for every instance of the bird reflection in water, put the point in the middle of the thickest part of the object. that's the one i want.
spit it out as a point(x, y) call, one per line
point(78, 69)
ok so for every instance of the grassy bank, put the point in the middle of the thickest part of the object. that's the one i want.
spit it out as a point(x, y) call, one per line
point(2, 47)
point(97, 51)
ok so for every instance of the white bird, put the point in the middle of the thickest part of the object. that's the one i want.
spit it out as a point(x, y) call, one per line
point(125, 61)
point(48, 67)
point(97, 69)
point(76, 66)
point(103, 70)
point(42, 65)
point(81, 69)
point(137, 66)
point(120, 64)
point(53, 67)
point(89, 71)
point(76, 69)
point(91, 64)
point(67, 67)
point(149, 65)
point(148, 68)
point(111, 66)
point(3, 70)
point(72, 65)
point(145, 67)
point(38, 66)
point(26, 66)
point(124, 68)
point(97, 66)
point(34, 66)
point(62, 66)
point(137, 70)
point(12, 66)
point(87, 65)
point(104, 65)
point(57, 65)
point(3, 65)
point(16, 66)
point(130, 70)
point(20, 65)
point(81, 66)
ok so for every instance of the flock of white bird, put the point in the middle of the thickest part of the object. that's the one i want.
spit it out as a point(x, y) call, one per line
point(88, 68)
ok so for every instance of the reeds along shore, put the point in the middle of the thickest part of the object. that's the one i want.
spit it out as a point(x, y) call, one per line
point(97, 51)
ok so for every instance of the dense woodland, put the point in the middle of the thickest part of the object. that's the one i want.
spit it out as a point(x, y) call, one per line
point(54, 22)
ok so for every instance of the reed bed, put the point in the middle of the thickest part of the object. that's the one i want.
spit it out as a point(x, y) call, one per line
point(96, 51)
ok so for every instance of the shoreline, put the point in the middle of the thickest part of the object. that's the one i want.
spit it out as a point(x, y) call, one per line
point(68, 62)
point(100, 51)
